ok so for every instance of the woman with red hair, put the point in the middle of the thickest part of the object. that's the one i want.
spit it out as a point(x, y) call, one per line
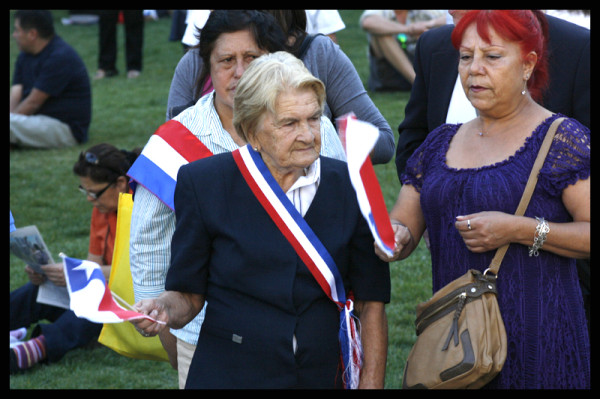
point(465, 181)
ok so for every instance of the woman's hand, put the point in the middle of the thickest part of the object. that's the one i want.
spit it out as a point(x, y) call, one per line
point(402, 238)
point(35, 277)
point(155, 309)
point(173, 309)
point(485, 231)
point(56, 274)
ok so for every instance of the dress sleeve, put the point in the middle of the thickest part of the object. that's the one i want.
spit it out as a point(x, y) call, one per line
point(568, 159)
point(435, 145)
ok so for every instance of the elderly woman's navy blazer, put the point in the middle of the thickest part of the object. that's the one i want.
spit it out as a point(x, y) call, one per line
point(259, 293)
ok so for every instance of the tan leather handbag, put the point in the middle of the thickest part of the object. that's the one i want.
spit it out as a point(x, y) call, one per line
point(461, 340)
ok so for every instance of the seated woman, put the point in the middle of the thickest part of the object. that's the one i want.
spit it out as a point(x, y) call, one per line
point(102, 177)
point(272, 320)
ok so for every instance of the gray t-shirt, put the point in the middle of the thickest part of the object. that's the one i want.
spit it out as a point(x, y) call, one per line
point(325, 60)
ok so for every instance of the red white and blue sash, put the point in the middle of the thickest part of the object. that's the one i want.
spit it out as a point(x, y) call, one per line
point(360, 138)
point(169, 148)
point(310, 249)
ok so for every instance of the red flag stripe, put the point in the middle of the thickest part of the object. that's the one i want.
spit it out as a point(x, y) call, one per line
point(182, 140)
point(378, 208)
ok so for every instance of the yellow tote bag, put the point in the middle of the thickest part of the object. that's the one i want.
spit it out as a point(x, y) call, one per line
point(123, 337)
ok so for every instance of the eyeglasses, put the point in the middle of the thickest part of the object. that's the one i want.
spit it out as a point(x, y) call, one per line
point(92, 195)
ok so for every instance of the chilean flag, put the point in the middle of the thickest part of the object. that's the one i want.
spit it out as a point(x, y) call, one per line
point(169, 148)
point(359, 138)
point(90, 296)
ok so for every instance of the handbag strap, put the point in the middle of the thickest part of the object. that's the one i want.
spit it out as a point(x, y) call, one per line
point(529, 187)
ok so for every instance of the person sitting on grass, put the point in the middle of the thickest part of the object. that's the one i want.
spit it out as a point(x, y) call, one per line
point(101, 171)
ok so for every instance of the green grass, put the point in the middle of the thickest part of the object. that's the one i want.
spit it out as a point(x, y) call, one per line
point(43, 191)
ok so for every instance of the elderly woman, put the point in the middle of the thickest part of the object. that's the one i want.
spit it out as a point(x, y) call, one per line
point(101, 172)
point(269, 323)
point(464, 184)
point(230, 41)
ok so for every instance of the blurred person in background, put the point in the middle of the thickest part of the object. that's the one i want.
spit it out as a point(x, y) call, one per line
point(50, 97)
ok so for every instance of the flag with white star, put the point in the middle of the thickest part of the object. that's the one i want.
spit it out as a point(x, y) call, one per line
point(90, 297)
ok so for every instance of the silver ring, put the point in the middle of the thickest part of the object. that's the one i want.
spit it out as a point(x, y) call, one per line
point(469, 223)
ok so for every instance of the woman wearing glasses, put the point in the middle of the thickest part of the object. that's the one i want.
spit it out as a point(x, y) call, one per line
point(102, 177)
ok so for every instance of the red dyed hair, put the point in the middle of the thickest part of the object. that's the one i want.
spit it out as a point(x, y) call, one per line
point(528, 28)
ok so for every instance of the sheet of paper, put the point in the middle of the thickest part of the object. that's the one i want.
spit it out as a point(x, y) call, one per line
point(28, 245)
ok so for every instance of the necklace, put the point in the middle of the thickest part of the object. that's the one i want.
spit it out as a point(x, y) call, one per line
point(480, 130)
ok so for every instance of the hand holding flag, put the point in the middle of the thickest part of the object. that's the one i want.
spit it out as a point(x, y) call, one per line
point(359, 138)
point(90, 297)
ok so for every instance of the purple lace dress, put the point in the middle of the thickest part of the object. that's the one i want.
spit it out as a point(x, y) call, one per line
point(540, 297)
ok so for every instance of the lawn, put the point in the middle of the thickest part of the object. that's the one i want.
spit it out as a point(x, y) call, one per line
point(43, 192)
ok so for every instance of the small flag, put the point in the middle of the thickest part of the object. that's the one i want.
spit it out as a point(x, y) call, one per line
point(90, 297)
point(359, 138)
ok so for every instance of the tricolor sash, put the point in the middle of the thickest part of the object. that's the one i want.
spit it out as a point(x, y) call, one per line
point(359, 138)
point(169, 148)
point(310, 249)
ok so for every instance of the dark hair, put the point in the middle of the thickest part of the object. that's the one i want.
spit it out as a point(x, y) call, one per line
point(527, 28)
point(293, 23)
point(104, 163)
point(40, 20)
point(266, 31)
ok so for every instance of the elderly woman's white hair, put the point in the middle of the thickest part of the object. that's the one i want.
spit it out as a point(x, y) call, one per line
point(263, 81)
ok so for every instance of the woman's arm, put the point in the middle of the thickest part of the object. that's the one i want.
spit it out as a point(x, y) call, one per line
point(491, 230)
point(408, 224)
point(374, 338)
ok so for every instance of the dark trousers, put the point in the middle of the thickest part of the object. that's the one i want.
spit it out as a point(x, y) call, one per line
point(65, 330)
point(134, 39)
